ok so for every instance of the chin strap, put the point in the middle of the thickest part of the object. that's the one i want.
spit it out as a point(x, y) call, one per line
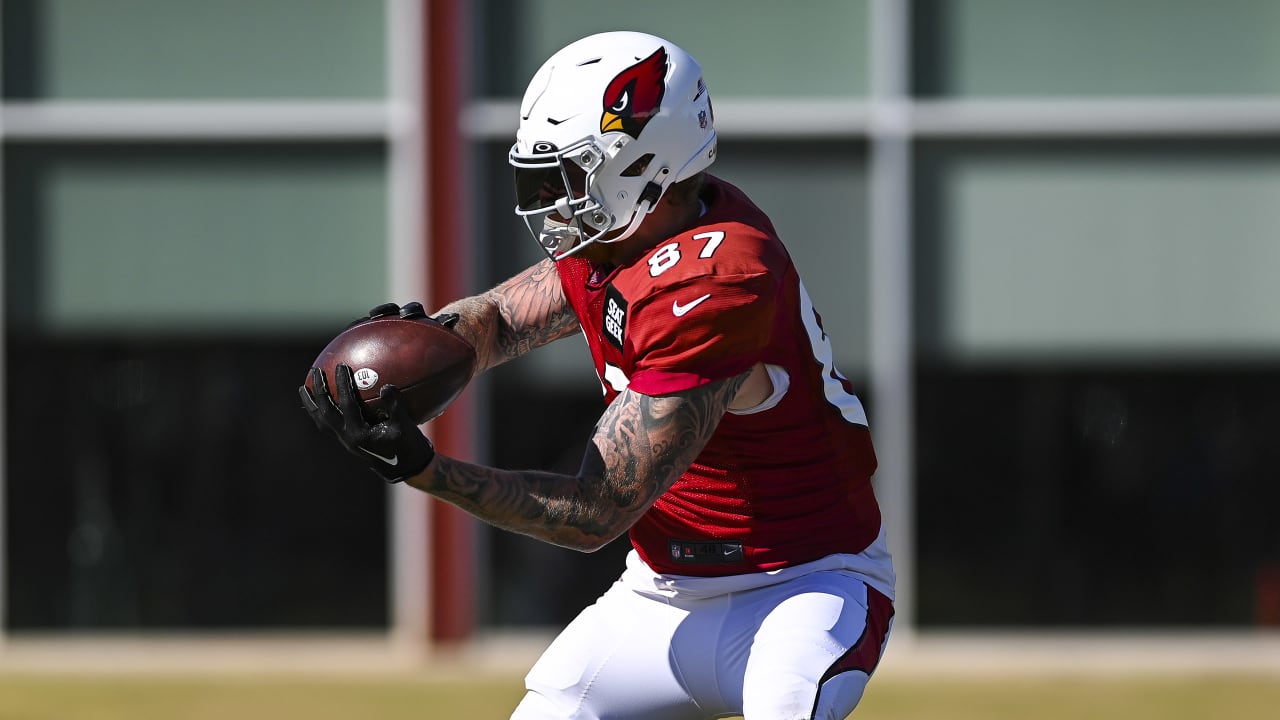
point(650, 194)
point(648, 201)
point(649, 198)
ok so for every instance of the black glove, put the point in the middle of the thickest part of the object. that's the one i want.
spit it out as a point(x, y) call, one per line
point(410, 310)
point(393, 446)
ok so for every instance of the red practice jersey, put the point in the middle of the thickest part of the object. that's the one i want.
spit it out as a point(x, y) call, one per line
point(778, 485)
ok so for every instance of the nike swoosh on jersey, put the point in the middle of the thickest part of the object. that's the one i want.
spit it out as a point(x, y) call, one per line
point(679, 310)
point(393, 460)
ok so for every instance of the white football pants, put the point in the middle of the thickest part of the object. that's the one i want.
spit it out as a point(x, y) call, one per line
point(799, 649)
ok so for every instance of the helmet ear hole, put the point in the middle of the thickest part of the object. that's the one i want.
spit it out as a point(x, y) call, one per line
point(637, 168)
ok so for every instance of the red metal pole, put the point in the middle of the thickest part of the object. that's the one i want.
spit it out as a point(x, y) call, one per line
point(449, 260)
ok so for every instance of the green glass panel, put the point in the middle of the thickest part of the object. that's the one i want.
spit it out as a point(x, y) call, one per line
point(760, 48)
point(187, 239)
point(1097, 47)
point(175, 49)
point(1110, 250)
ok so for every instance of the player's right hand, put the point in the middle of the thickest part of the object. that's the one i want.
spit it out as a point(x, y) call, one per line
point(393, 446)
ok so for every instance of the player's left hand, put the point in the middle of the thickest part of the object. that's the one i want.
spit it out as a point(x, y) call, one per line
point(393, 446)
point(410, 310)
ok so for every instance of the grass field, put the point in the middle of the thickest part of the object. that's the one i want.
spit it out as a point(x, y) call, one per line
point(133, 697)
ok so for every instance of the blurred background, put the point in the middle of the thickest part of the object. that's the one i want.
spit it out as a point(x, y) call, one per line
point(1043, 236)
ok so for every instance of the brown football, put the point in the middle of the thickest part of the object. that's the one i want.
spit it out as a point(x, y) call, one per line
point(429, 363)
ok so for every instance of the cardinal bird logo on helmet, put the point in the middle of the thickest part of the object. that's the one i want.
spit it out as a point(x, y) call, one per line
point(635, 95)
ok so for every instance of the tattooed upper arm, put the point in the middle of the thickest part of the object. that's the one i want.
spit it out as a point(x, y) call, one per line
point(643, 444)
point(525, 312)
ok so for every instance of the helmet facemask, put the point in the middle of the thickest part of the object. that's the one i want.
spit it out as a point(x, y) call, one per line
point(562, 194)
point(553, 196)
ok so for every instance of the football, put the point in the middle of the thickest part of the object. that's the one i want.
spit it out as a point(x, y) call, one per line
point(428, 362)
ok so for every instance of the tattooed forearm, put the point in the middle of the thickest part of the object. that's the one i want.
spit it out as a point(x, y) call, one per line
point(533, 309)
point(523, 313)
point(640, 446)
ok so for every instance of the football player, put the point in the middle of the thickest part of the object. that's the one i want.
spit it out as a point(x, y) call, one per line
point(730, 448)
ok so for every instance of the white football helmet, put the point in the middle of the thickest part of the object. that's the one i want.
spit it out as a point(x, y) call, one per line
point(606, 126)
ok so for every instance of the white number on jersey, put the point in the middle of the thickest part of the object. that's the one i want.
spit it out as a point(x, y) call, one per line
point(833, 383)
point(665, 259)
point(668, 255)
point(714, 238)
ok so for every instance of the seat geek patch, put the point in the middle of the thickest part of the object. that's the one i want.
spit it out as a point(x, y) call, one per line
point(615, 316)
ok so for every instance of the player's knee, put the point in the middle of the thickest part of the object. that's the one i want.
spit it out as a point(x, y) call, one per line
point(536, 706)
point(798, 700)
point(840, 695)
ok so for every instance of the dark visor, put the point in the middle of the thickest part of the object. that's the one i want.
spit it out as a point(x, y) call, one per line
point(539, 188)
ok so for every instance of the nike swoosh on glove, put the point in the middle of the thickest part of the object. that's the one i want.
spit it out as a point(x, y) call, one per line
point(392, 445)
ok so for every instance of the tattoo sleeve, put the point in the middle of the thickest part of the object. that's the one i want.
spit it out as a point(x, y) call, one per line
point(525, 312)
point(639, 448)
